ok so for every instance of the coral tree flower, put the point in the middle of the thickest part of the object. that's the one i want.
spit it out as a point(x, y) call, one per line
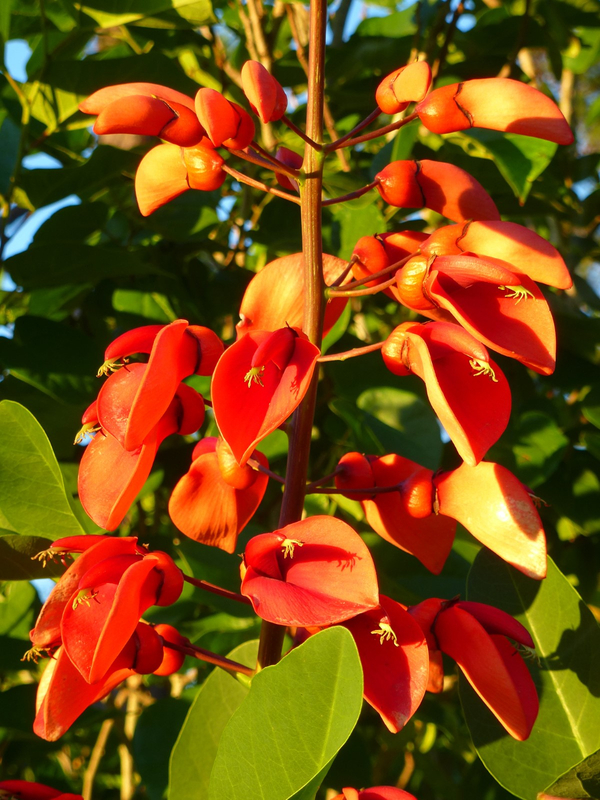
point(110, 476)
point(395, 661)
point(475, 636)
point(167, 171)
point(418, 514)
point(375, 793)
point(176, 351)
point(442, 187)
point(527, 252)
point(502, 308)
point(266, 374)
point(216, 498)
point(226, 124)
point(27, 790)
point(265, 94)
point(90, 624)
point(467, 391)
point(148, 109)
point(406, 85)
point(275, 295)
point(291, 159)
point(500, 104)
point(311, 573)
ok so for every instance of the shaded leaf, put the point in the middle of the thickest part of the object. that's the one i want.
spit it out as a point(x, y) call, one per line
point(17, 562)
point(581, 782)
point(567, 641)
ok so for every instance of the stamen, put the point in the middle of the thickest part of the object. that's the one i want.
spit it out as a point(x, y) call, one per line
point(111, 365)
point(254, 374)
point(34, 654)
point(86, 430)
point(385, 633)
point(288, 546)
point(84, 596)
point(482, 368)
point(528, 652)
point(517, 292)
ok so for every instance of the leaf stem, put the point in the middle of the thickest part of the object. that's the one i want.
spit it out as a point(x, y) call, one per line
point(351, 195)
point(304, 136)
point(210, 587)
point(357, 351)
point(394, 126)
point(210, 658)
point(361, 292)
point(239, 176)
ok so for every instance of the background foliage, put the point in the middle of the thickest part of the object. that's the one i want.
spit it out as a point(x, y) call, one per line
point(94, 268)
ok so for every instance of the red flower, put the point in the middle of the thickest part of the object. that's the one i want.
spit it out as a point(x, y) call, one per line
point(404, 517)
point(26, 790)
point(525, 251)
point(259, 381)
point(467, 391)
point(503, 309)
point(290, 159)
point(500, 104)
point(474, 635)
point(111, 476)
point(394, 658)
point(418, 513)
point(226, 123)
point(275, 295)
point(442, 187)
point(265, 94)
point(315, 572)
point(406, 85)
point(167, 171)
point(497, 509)
point(216, 498)
point(176, 351)
point(375, 793)
point(148, 109)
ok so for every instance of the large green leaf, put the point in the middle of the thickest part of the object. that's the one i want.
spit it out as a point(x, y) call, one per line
point(567, 641)
point(539, 447)
point(33, 500)
point(108, 13)
point(295, 718)
point(196, 747)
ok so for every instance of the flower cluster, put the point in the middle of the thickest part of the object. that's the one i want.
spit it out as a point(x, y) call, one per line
point(475, 281)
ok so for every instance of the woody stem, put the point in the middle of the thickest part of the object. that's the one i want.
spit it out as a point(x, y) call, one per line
point(210, 658)
point(271, 636)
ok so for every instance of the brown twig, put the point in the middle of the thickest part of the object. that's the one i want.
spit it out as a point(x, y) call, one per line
point(360, 292)
point(211, 587)
point(394, 126)
point(261, 162)
point(210, 658)
point(239, 176)
point(351, 195)
point(357, 351)
point(95, 758)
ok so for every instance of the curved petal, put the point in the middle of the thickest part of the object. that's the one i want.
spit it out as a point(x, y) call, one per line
point(493, 668)
point(429, 539)
point(110, 477)
point(523, 249)
point(139, 114)
point(315, 572)
point(518, 326)
point(161, 176)
point(275, 295)
point(217, 115)
point(395, 661)
point(265, 94)
point(499, 104)
point(495, 508)
point(206, 508)
point(451, 191)
point(63, 694)
point(494, 620)
point(266, 403)
point(97, 102)
point(473, 407)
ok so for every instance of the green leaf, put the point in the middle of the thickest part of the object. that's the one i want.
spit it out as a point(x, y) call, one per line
point(520, 159)
point(72, 262)
point(356, 221)
point(539, 448)
point(567, 639)
point(9, 144)
point(294, 720)
point(401, 23)
point(17, 562)
point(581, 782)
point(591, 406)
point(150, 305)
point(18, 610)
point(109, 13)
point(196, 747)
point(591, 442)
point(33, 500)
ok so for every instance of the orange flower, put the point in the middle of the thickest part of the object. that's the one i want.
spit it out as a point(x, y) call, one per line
point(442, 187)
point(403, 86)
point(265, 94)
point(216, 498)
point(500, 104)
